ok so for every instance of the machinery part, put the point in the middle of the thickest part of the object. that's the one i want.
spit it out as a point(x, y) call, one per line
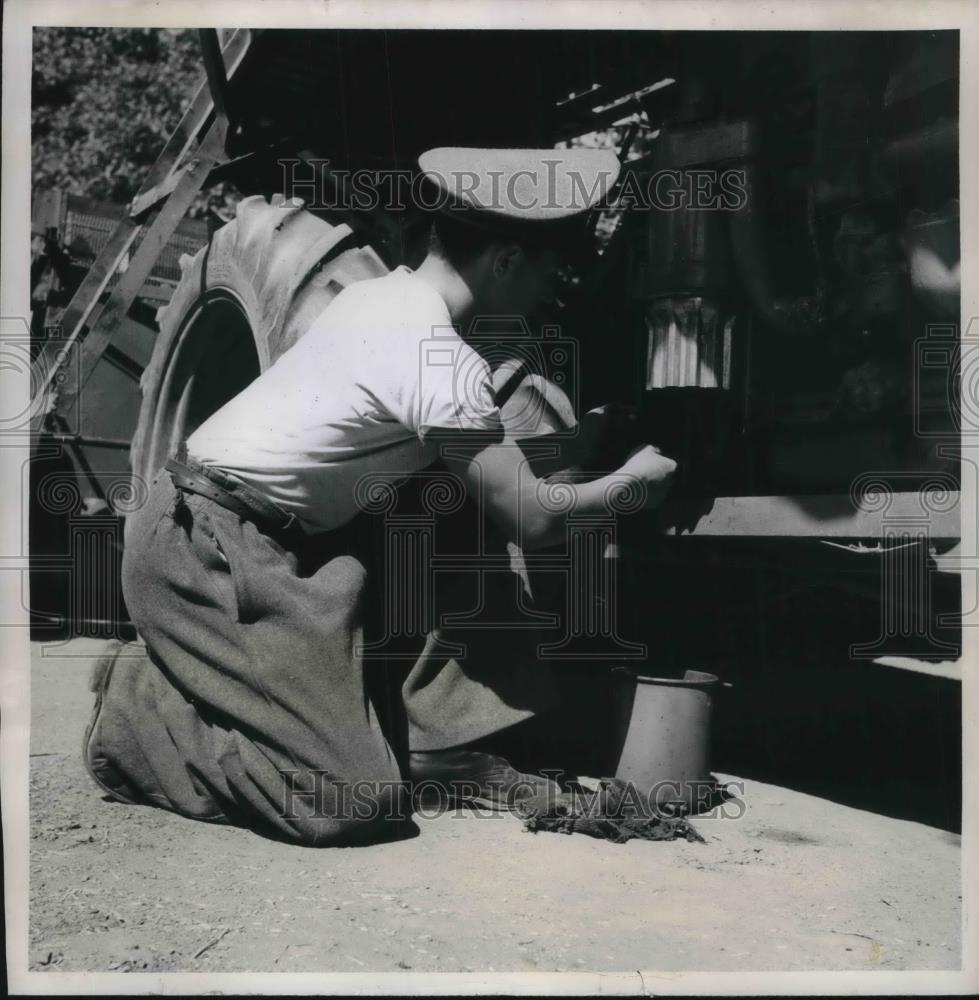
point(816, 516)
point(689, 344)
point(850, 72)
point(241, 301)
point(698, 183)
point(158, 233)
point(164, 174)
point(217, 76)
point(83, 312)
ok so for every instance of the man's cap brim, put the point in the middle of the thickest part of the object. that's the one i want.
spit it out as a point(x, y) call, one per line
point(508, 189)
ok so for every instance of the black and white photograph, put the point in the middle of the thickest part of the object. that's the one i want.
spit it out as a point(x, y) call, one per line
point(489, 498)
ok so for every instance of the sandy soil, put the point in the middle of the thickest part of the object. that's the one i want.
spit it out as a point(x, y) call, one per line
point(796, 883)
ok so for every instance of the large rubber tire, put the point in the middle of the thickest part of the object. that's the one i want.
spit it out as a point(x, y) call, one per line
point(241, 301)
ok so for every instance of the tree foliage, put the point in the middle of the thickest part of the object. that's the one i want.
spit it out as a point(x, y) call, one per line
point(104, 102)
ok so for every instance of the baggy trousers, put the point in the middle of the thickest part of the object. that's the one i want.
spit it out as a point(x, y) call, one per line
point(252, 706)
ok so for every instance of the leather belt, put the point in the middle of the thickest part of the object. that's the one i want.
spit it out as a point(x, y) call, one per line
point(235, 496)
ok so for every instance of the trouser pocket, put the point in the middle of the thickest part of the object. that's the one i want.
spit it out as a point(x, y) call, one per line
point(220, 558)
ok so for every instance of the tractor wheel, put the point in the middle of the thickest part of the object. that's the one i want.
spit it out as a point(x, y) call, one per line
point(241, 301)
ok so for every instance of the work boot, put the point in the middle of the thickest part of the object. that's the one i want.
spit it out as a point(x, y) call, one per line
point(462, 775)
point(100, 769)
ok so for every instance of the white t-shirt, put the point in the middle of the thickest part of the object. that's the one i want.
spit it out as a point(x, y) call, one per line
point(380, 368)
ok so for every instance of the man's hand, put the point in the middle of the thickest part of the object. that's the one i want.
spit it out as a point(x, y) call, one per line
point(498, 479)
point(608, 433)
point(654, 469)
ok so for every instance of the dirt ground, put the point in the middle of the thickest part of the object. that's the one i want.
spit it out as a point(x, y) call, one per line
point(797, 883)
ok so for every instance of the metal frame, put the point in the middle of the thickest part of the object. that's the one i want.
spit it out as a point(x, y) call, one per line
point(89, 328)
point(824, 516)
point(170, 187)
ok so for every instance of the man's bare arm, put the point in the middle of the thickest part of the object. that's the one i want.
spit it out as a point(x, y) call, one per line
point(500, 480)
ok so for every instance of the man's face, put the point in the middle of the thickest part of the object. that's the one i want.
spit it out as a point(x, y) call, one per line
point(519, 281)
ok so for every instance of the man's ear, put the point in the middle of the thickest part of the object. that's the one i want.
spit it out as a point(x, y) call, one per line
point(505, 259)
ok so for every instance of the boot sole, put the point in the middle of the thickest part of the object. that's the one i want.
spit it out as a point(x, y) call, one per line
point(452, 799)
